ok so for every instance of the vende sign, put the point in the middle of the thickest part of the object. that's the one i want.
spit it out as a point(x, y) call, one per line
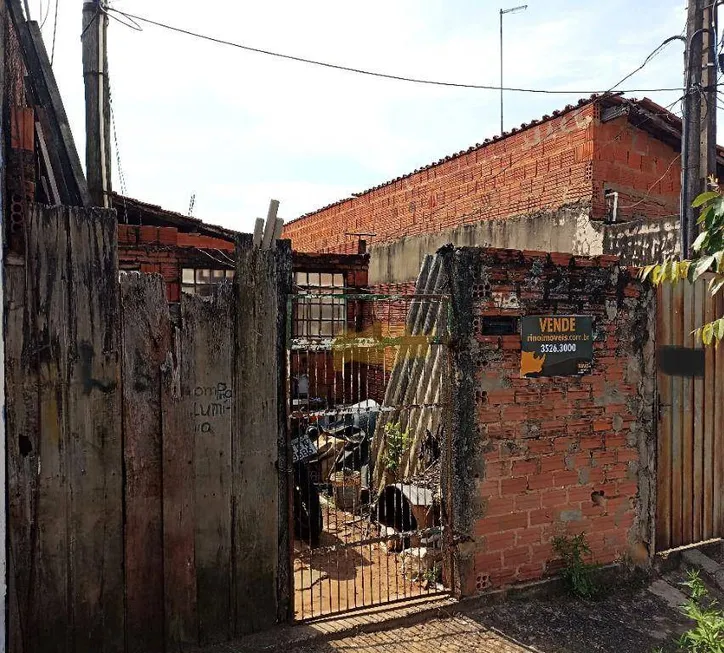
point(556, 345)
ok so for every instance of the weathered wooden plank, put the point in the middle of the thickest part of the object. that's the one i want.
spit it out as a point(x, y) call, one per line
point(69, 173)
point(259, 435)
point(47, 88)
point(709, 424)
point(664, 472)
point(49, 615)
point(22, 450)
point(146, 341)
point(700, 295)
point(182, 627)
point(94, 453)
point(207, 384)
point(285, 469)
point(677, 415)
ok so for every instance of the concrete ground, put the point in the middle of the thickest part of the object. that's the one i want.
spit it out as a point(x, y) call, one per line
point(632, 616)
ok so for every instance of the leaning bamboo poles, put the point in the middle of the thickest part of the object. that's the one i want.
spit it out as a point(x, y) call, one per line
point(414, 391)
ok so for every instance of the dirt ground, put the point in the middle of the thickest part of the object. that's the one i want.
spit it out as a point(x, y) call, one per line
point(365, 574)
point(630, 620)
point(630, 616)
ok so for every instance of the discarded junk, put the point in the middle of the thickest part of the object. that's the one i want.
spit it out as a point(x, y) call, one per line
point(331, 458)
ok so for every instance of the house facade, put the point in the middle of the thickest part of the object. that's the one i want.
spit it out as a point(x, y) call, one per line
point(600, 177)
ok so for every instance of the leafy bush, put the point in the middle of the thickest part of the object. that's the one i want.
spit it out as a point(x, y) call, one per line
point(397, 443)
point(707, 636)
point(708, 250)
point(577, 574)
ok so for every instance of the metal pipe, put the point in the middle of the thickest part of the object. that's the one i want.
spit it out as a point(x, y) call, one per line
point(502, 12)
point(501, 72)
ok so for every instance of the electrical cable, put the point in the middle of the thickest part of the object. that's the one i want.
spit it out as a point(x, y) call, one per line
point(55, 32)
point(400, 78)
point(648, 192)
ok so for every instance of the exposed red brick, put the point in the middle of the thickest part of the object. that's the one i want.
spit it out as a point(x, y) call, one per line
point(513, 485)
point(148, 235)
point(168, 235)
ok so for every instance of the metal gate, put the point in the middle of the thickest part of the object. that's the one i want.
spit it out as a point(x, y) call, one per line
point(690, 460)
point(369, 393)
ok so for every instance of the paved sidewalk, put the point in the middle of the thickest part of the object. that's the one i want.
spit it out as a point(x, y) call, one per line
point(451, 635)
point(634, 617)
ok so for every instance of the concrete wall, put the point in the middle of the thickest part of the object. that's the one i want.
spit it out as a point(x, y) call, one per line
point(643, 240)
point(569, 229)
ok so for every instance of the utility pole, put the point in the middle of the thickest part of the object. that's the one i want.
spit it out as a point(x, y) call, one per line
point(698, 139)
point(708, 91)
point(97, 103)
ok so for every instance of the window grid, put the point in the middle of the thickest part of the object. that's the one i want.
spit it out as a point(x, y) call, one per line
point(319, 316)
point(201, 281)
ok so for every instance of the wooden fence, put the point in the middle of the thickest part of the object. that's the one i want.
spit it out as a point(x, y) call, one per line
point(690, 463)
point(146, 508)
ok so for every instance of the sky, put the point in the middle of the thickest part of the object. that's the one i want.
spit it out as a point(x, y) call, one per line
point(238, 129)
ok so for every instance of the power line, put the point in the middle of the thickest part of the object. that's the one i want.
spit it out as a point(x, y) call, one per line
point(55, 32)
point(399, 78)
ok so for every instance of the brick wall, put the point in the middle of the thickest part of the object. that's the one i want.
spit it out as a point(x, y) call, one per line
point(562, 160)
point(548, 164)
point(559, 455)
point(645, 171)
point(165, 251)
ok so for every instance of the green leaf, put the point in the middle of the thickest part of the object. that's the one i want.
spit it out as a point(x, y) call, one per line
point(716, 284)
point(666, 269)
point(719, 257)
point(720, 328)
point(684, 267)
point(702, 265)
point(706, 215)
point(647, 271)
point(700, 239)
point(704, 198)
point(657, 275)
point(707, 333)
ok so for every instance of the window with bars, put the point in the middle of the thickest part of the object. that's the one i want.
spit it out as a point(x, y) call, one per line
point(201, 281)
point(318, 313)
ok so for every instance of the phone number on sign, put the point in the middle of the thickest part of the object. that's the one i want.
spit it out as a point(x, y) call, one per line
point(563, 348)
